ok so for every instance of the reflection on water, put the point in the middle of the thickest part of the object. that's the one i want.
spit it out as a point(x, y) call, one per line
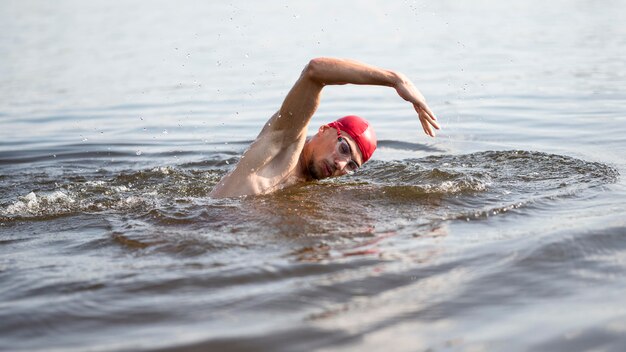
point(504, 233)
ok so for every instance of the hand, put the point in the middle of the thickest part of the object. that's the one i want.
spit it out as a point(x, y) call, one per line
point(408, 92)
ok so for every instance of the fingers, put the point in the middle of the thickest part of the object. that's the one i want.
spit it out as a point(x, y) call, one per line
point(427, 121)
point(430, 120)
point(427, 129)
point(424, 110)
point(428, 111)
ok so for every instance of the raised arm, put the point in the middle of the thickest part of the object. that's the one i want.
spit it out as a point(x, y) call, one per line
point(303, 99)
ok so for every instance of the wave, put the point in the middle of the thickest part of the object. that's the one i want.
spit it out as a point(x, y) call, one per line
point(466, 186)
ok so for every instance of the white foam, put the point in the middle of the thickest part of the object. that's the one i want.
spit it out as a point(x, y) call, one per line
point(119, 189)
point(165, 170)
point(32, 204)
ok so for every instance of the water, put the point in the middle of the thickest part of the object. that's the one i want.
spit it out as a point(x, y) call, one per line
point(506, 232)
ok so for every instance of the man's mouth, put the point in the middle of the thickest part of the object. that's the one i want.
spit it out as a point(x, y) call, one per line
point(327, 170)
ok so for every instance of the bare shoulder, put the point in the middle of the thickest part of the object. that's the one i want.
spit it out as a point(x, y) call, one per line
point(269, 160)
point(273, 156)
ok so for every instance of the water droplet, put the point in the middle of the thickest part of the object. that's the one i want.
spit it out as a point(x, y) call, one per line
point(227, 162)
point(164, 131)
point(247, 56)
point(138, 152)
point(54, 155)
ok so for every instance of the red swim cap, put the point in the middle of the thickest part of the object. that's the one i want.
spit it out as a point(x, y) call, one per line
point(360, 131)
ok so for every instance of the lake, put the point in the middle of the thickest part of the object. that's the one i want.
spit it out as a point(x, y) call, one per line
point(506, 232)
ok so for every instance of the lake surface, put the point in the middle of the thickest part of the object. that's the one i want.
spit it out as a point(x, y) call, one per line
point(507, 232)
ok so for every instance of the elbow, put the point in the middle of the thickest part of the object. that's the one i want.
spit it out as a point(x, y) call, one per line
point(312, 69)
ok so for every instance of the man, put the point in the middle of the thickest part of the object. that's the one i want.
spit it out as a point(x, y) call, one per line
point(282, 156)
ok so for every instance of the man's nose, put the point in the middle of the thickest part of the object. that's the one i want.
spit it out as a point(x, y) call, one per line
point(340, 163)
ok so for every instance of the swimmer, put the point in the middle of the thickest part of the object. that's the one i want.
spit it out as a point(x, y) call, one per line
point(283, 156)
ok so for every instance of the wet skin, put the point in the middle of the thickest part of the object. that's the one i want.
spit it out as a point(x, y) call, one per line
point(282, 156)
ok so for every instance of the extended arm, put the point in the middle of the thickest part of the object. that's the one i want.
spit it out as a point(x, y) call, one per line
point(303, 99)
point(273, 158)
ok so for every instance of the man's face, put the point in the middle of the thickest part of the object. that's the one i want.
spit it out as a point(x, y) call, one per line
point(328, 159)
